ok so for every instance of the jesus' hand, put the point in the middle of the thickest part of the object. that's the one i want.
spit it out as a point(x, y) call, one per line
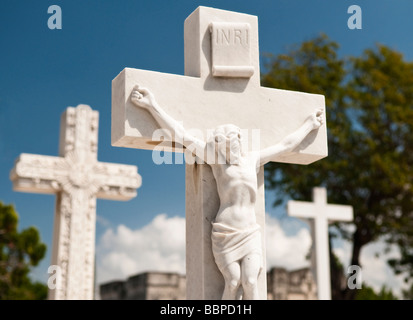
point(142, 97)
point(316, 119)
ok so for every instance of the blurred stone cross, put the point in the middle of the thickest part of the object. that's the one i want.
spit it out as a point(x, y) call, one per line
point(221, 85)
point(319, 214)
point(77, 179)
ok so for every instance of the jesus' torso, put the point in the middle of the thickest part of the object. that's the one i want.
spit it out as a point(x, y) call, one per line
point(237, 189)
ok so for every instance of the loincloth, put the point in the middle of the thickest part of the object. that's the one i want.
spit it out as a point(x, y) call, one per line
point(230, 244)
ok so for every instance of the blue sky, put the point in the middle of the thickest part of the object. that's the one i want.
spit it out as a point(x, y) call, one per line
point(44, 71)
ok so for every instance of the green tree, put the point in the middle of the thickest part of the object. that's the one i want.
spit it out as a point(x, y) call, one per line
point(19, 251)
point(369, 110)
point(408, 293)
point(368, 293)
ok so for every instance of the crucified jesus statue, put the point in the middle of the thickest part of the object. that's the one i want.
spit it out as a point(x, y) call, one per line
point(236, 236)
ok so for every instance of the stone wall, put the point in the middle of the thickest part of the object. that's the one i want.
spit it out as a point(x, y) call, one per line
point(281, 285)
point(146, 286)
point(291, 285)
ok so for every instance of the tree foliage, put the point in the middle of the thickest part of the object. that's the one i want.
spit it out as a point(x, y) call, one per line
point(369, 110)
point(367, 293)
point(19, 251)
point(408, 293)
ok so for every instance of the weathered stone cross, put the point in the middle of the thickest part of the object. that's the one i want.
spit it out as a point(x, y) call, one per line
point(77, 179)
point(319, 214)
point(221, 85)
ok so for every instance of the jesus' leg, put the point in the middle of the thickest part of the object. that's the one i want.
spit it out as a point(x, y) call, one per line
point(250, 269)
point(232, 276)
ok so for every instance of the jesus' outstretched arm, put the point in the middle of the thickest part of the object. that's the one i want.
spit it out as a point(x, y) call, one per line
point(143, 98)
point(290, 142)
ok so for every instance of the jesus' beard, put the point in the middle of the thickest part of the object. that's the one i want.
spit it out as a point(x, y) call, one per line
point(234, 153)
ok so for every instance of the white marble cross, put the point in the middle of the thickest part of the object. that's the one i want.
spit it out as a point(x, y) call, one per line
point(319, 214)
point(221, 85)
point(77, 179)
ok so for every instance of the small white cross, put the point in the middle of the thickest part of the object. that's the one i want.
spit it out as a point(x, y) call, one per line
point(319, 213)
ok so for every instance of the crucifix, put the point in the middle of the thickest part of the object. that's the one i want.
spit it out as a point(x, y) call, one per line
point(77, 179)
point(319, 214)
point(221, 86)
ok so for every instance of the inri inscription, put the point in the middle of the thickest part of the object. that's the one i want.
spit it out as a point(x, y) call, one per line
point(231, 50)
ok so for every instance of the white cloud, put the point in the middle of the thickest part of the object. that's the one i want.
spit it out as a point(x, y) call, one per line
point(103, 221)
point(158, 246)
point(375, 270)
point(343, 253)
point(286, 251)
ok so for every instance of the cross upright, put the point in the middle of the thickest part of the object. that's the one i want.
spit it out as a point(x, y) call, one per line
point(77, 179)
point(319, 214)
point(221, 85)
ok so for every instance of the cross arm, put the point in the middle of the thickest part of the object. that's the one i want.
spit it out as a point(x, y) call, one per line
point(300, 209)
point(308, 210)
point(144, 98)
point(338, 212)
point(192, 101)
point(293, 140)
point(116, 181)
point(37, 173)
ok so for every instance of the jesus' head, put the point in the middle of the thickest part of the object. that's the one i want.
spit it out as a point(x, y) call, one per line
point(228, 144)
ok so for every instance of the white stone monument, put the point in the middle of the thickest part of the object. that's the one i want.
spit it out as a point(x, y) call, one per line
point(221, 85)
point(318, 213)
point(77, 179)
